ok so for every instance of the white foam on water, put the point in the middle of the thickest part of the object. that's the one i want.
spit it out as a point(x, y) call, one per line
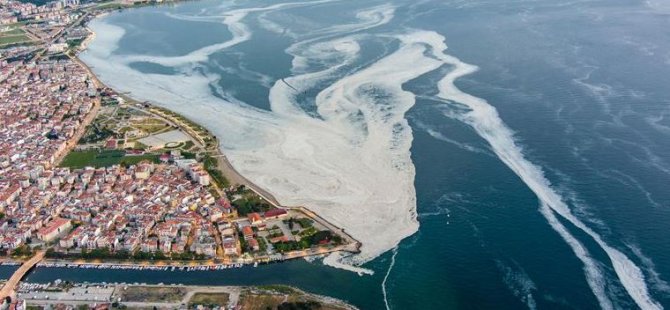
point(654, 277)
point(335, 260)
point(233, 20)
point(352, 165)
point(439, 136)
point(388, 272)
point(520, 283)
point(485, 120)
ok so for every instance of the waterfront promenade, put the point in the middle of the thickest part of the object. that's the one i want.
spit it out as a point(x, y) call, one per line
point(9, 288)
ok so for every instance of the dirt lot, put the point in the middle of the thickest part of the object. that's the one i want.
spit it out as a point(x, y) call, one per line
point(153, 294)
point(261, 300)
point(220, 299)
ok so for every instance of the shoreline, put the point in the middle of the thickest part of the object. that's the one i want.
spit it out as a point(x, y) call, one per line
point(142, 295)
point(352, 245)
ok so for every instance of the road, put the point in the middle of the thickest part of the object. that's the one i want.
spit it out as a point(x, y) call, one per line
point(13, 282)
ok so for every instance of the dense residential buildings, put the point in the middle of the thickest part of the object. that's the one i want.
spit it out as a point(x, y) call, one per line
point(86, 170)
point(164, 207)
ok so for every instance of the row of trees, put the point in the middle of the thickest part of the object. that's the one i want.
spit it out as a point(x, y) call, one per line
point(106, 253)
point(320, 237)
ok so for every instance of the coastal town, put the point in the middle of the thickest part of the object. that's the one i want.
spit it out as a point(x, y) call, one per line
point(90, 177)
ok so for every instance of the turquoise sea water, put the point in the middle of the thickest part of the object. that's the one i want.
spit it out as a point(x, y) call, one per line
point(582, 85)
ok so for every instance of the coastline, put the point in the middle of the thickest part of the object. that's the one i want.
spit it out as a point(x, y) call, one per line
point(223, 165)
point(141, 295)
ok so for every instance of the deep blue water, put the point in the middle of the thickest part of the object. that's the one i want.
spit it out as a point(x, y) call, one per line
point(583, 86)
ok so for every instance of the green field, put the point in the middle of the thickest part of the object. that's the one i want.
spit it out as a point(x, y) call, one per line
point(12, 39)
point(103, 159)
point(153, 294)
point(209, 299)
point(12, 32)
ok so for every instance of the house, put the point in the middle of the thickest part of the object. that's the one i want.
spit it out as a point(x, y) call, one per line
point(230, 247)
point(53, 229)
point(111, 144)
point(150, 245)
point(278, 239)
point(254, 218)
point(247, 232)
point(275, 213)
point(253, 245)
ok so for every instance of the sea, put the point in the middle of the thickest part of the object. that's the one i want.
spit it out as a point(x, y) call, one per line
point(503, 154)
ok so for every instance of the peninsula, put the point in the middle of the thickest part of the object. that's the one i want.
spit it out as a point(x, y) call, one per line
point(90, 177)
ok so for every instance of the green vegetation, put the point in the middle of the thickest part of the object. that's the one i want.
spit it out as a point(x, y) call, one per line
point(209, 299)
point(103, 253)
point(243, 242)
point(212, 167)
point(106, 101)
point(188, 155)
point(153, 294)
point(188, 145)
point(106, 253)
point(289, 246)
point(140, 146)
point(262, 245)
point(95, 133)
point(317, 238)
point(23, 250)
point(250, 204)
point(112, 5)
point(299, 305)
point(277, 288)
point(94, 158)
point(305, 222)
point(13, 39)
point(12, 32)
point(308, 232)
point(75, 43)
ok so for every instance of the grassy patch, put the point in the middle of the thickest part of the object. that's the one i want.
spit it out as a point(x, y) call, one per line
point(260, 302)
point(151, 128)
point(209, 299)
point(94, 158)
point(153, 294)
point(212, 167)
point(12, 39)
point(278, 288)
point(12, 32)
